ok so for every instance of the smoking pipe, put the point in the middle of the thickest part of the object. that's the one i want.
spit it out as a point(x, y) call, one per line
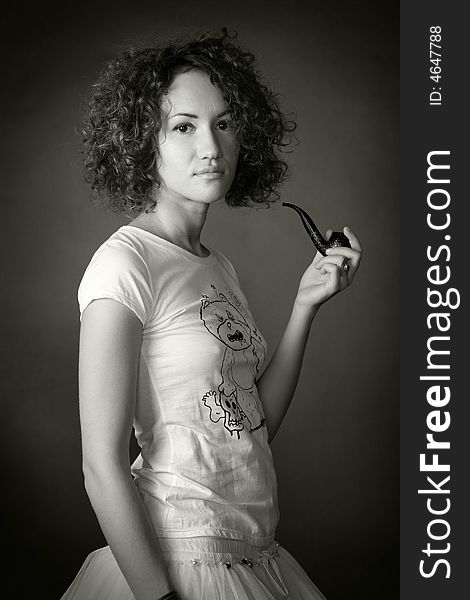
point(337, 238)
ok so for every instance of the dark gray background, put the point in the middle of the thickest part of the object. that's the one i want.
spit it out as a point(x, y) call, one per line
point(336, 66)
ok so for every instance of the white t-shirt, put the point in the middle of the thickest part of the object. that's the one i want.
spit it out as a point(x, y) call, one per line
point(205, 467)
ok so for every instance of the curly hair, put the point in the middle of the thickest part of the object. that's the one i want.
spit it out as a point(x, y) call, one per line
point(123, 119)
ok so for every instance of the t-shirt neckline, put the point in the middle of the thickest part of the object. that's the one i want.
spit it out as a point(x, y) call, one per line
point(203, 260)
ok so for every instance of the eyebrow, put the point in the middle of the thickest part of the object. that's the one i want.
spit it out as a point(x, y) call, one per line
point(192, 116)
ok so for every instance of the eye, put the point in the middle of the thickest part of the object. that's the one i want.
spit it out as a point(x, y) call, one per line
point(219, 317)
point(224, 125)
point(184, 128)
point(230, 316)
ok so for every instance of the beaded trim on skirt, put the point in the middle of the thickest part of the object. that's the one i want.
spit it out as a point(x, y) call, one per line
point(204, 567)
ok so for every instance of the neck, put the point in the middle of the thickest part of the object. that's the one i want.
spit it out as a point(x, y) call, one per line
point(178, 222)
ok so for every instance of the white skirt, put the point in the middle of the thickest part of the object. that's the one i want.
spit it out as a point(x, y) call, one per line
point(208, 568)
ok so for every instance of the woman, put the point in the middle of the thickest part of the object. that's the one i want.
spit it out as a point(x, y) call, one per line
point(168, 343)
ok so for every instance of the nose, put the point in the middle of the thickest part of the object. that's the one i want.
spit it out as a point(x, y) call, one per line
point(209, 146)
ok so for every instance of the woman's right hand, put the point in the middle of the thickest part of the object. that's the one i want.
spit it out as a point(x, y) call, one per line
point(110, 343)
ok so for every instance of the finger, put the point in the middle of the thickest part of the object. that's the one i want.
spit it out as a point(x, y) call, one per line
point(354, 255)
point(335, 259)
point(335, 276)
point(329, 260)
point(328, 233)
point(353, 239)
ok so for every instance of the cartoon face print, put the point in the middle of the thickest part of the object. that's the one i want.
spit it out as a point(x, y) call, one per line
point(226, 409)
point(224, 321)
point(235, 402)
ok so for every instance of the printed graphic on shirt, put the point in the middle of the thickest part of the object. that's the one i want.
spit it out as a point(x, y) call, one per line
point(235, 401)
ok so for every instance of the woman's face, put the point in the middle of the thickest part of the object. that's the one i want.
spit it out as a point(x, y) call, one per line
point(198, 146)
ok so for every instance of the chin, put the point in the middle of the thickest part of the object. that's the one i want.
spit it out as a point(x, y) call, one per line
point(210, 196)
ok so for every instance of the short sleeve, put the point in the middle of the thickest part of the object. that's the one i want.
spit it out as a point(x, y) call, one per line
point(118, 272)
point(228, 266)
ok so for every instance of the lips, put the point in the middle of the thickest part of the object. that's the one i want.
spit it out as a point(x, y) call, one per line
point(209, 170)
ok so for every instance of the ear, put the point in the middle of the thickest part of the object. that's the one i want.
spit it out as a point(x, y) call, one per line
point(204, 303)
point(223, 298)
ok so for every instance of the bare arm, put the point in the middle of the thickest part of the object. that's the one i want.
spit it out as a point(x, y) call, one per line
point(277, 384)
point(110, 341)
point(323, 279)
